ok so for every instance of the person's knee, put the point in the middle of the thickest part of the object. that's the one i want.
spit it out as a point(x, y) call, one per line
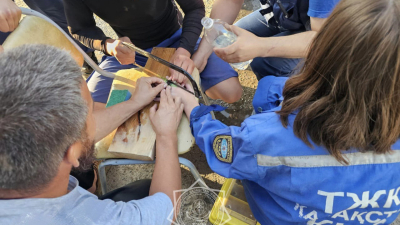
point(228, 90)
point(234, 96)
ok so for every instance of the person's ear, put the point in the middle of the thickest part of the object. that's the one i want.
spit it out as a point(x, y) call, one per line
point(73, 153)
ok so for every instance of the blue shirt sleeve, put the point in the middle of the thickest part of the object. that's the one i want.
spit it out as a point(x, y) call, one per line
point(269, 93)
point(228, 149)
point(321, 8)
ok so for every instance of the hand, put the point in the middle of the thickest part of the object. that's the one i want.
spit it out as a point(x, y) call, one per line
point(188, 100)
point(123, 54)
point(145, 92)
point(9, 15)
point(246, 47)
point(166, 119)
point(182, 59)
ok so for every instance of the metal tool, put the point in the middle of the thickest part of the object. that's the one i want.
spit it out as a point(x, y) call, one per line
point(169, 82)
point(197, 93)
point(145, 70)
point(173, 84)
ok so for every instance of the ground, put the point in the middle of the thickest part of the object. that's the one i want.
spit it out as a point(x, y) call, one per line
point(118, 176)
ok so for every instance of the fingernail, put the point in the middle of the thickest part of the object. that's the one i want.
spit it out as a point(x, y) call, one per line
point(165, 85)
point(167, 77)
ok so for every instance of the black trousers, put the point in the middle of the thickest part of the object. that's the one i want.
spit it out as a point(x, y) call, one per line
point(134, 191)
point(85, 178)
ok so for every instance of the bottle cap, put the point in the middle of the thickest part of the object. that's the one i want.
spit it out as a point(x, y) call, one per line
point(207, 22)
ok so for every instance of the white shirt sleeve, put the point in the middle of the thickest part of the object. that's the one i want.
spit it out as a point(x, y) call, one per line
point(155, 209)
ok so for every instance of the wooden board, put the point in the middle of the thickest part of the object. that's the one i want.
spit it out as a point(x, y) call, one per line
point(127, 141)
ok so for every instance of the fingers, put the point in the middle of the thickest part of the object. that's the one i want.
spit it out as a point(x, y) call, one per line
point(191, 68)
point(4, 27)
point(179, 78)
point(163, 99)
point(156, 90)
point(17, 17)
point(123, 49)
point(125, 39)
point(153, 80)
point(181, 107)
point(124, 54)
point(223, 52)
point(189, 87)
point(13, 20)
point(186, 65)
point(179, 112)
point(174, 75)
point(235, 29)
point(10, 15)
point(170, 99)
point(178, 101)
point(153, 111)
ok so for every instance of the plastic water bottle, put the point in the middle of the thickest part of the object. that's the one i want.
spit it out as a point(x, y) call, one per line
point(217, 34)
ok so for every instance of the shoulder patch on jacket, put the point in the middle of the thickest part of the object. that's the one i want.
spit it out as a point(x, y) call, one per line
point(223, 148)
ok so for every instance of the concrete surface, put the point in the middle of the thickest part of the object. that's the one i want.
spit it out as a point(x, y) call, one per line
point(118, 176)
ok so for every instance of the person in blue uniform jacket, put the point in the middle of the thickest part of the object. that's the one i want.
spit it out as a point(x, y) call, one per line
point(323, 147)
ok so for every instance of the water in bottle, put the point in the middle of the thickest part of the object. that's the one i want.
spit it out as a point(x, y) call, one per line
point(216, 33)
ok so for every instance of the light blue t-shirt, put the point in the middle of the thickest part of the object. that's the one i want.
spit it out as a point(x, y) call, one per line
point(81, 207)
point(321, 8)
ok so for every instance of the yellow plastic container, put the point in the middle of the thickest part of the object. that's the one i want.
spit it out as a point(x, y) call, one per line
point(237, 212)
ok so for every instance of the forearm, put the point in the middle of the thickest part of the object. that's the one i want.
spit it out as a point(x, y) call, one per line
point(191, 28)
point(292, 46)
point(189, 106)
point(109, 119)
point(167, 172)
point(91, 38)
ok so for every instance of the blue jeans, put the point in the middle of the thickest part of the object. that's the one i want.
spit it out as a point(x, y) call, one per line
point(54, 9)
point(215, 72)
point(280, 67)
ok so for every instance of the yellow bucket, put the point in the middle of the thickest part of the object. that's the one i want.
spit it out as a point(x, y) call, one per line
point(231, 207)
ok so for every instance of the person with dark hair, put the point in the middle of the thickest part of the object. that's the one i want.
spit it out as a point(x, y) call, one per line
point(148, 24)
point(323, 147)
point(48, 126)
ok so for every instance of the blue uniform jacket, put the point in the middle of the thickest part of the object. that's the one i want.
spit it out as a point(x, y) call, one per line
point(287, 182)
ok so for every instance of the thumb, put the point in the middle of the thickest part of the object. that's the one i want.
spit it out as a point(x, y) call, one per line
point(153, 110)
point(125, 39)
point(157, 89)
point(235, 29)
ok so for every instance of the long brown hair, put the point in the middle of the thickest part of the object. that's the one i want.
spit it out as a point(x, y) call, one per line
point(348, 92)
